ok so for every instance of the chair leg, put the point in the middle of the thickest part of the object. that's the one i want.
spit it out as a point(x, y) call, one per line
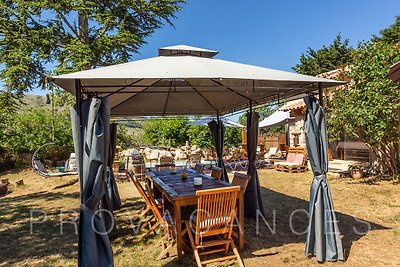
point(190, 234)
point(153, 228)
point(162, 239)
point(197, 257)
point(166, 250)
point(145, 211)
point(235, 251)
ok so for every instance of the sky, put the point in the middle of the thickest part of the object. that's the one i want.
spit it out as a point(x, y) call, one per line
point(270, 34)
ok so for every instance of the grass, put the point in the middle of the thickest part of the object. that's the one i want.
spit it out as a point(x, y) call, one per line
point(360, 207)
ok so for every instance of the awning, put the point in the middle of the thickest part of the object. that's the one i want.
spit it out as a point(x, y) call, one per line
point(275, 119)
point(205, 121)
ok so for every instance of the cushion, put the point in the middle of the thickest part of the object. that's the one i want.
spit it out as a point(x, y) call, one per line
point(291, 157)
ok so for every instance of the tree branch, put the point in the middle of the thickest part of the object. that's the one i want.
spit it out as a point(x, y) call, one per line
point(68, 24)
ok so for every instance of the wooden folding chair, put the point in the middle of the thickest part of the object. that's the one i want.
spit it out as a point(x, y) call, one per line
point(242, 180)
point(166, 220)
point(143, 193)
point(213, 221)
point(164, 166)
point(216, 172)
point(199, 167)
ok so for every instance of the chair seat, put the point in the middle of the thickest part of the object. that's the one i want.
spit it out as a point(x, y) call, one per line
point(210, 222)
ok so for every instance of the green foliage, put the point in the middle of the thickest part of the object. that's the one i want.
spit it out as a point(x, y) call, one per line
point(233, 136)
point(124, 139)
point(28, 130)
point(389, 35)
point(327, 58)
point(200, 136)
point(175, 132)
point(370, 106)
point(167, 132)
point(73, 36)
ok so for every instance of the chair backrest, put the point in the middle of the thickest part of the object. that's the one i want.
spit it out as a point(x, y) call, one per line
point(139, 187)
point(272, 152)
point(166, 159)
point(260, 155)
point(216, 211)
point(241, 180)
point(194, 158)
point(291, 157)
point(164, 166)
point(153, 206)
point(39, 166)
point(216, 172)
point(299, 159)
point(199, 167)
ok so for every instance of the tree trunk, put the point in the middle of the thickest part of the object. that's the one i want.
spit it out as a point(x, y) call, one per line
point(83, 29)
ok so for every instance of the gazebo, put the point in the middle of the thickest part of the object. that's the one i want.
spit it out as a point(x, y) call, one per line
point(182, 80)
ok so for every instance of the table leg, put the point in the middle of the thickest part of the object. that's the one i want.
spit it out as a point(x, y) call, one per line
point(241, 221)
point(178, 227)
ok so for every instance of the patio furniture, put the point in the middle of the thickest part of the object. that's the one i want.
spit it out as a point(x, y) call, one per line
point(137, 165)
point(39, 168)
point(296, 161)
point(166, 159)
point(240, 179)
point(183, 193)
point(216, 172)
point(213, 224)
point(143, 194)
point(193, 159)
point(166, 220)
point(237, 160)
point(260, 161)
point(164, 166)
point(199, 167)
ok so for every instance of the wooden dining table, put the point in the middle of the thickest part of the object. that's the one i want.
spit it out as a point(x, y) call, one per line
point(182, 193)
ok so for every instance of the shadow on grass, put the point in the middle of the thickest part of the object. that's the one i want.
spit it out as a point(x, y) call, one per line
point(30, 231)
point(285, 223)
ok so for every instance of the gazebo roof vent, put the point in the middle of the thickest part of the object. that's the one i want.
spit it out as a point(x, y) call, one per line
point(185, 50)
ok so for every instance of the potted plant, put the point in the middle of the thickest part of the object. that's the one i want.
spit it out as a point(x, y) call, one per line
point(356, 171)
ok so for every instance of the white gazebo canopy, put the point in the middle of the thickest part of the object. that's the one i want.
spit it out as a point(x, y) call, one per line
point(186, 80)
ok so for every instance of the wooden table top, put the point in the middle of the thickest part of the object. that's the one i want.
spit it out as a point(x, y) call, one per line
point(178, 188)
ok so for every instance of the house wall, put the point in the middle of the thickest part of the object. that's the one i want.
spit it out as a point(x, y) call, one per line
point(297, 127)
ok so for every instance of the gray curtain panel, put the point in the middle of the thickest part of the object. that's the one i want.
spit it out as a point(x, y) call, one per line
point(323, 237)
point(91, 141)
point(252, 197)
point(217, 129)
point(111, 183)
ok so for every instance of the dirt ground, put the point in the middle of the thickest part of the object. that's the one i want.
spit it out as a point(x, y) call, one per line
point(369, 220)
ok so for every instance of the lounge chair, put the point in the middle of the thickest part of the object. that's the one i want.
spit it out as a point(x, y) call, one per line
point(237, 160)
point(263, 157)
point(39, 168)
